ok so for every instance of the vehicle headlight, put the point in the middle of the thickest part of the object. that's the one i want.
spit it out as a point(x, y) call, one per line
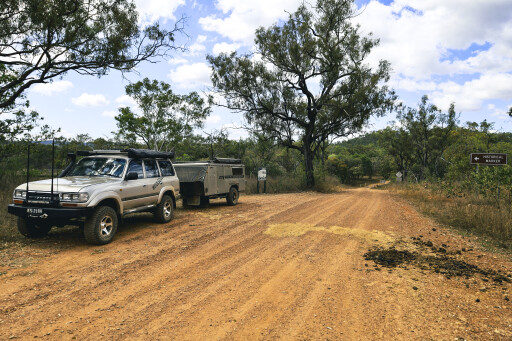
point(74, 197)
point(20, 194)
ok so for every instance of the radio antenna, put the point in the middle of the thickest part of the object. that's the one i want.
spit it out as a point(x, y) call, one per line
point(53, 164)
point(28, 166)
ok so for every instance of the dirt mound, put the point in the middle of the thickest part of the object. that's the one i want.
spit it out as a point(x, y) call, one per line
point(438, 260)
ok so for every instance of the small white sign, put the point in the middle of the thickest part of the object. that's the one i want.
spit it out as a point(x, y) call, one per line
point(262, 174)
point(399, 176)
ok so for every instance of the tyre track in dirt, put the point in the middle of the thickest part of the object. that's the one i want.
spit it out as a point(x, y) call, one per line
point(214, 291)
point(214, 274)
point(147, 259)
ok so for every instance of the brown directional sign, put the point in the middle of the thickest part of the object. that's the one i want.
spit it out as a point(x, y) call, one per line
point(492, 159)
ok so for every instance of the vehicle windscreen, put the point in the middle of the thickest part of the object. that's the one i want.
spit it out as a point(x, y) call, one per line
point(98, 166)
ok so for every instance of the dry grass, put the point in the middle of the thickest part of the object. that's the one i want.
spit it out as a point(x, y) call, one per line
point(279, 184)
point(8, 229)
point(294, 183)
point(467, 213)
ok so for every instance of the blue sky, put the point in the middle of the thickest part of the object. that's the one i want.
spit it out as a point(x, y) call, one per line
point(456, 51)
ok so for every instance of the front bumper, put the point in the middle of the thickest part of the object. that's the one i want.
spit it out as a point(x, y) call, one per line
point(50, 213)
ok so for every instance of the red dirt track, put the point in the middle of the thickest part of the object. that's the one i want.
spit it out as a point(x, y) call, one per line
point(287, 266)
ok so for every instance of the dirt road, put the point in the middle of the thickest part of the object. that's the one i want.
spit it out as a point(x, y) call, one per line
point(288, 267)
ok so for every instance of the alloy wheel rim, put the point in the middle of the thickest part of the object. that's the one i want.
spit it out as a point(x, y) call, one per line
point(106, 225)
point(167, 209)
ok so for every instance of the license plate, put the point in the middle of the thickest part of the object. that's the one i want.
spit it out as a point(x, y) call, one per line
point(34, 210)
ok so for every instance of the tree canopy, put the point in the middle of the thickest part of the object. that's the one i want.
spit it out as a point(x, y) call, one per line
point(307, 81)
point(43, 40)
point(165, 117)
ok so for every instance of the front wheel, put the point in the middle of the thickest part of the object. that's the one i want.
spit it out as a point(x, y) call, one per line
point(33, 229)
point(101, 226)
point(165, 210)
point(232, 197)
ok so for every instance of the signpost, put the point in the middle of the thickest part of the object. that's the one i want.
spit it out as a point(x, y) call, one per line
point(262, 176)
point(398, 176)
point(491, 159)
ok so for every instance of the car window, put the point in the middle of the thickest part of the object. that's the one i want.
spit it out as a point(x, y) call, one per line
point(166, 168)
point(136, 166)
point(151, 169)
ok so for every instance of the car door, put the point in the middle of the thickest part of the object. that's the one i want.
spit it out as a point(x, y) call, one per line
point(168, 174)
point(153, 181)
point(134, 191)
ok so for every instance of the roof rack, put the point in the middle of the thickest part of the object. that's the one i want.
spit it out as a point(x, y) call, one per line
point(131, 152)
point(226, 160)
point(99, 152)
point(216, 160)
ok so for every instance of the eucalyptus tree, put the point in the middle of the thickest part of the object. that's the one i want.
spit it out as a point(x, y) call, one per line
point(429, 131)
point(307, 81)
point(43, 40)
point(162, 118)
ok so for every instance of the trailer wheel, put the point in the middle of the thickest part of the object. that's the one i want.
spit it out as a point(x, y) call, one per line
point(101, 226)
point(232, 197)
point(204, 201)
point(164, 210)
point(33, 229)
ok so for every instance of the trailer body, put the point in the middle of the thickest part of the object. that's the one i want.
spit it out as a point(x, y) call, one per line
point(201, 181)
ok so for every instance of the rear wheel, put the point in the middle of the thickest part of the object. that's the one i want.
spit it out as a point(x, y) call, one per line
point(101, 226)
point(33, 228)
point(165, 210)
point(232, 197)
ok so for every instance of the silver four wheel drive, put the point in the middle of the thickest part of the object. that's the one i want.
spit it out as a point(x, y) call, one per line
point(96, 191)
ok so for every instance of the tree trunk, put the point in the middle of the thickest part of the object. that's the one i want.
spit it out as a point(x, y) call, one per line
point(308, 164)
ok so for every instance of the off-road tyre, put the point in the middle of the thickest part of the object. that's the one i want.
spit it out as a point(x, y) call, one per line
point(33, 229)
point(164, 210)
point(101, 226)
point(232, 197)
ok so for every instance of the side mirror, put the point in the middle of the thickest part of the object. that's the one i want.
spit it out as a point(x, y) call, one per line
point(131, 176)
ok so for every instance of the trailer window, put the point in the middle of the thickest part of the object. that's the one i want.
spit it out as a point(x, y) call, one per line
point(166, 168)
point(238, 171)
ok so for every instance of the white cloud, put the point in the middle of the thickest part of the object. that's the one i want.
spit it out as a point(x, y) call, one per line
point(191, 75)
point(225, 48)
point(110, 113)
point(178, 61)
point(153, 10)
point(213, 119)
point(416, 36)
point(88, 100)
point(500, 114)
point(455, 51)
point(471, 95)
point(242, 18)
point(125, 100)
point(201, 39)
point(198, 46)
point(49, 89)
